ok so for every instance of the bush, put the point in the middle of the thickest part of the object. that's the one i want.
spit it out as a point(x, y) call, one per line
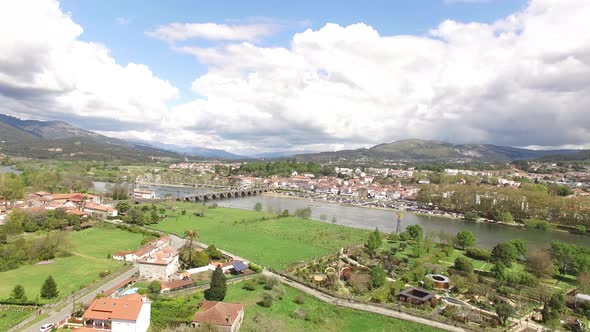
point(300, 314)
point(471, 216)
point(279, 291)
point(104, 274)
point(478, 253)
point(537, 224)
point(270, 283)
point(580, 229)
point(254, 267)
point(249, 285)
point(154, 287)
point(463, 264)
point(268, 299)
point(299, 299)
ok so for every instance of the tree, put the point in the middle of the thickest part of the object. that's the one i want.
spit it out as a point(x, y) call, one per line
point(377, 277)
point(520, 246)
point(540, 263)
point(553, 307)
point(11, 186)
point(471, 216)
point(303, 213)
point(504, 253)
point(416, 232)
point(214, 252)
point(374, 242)
point(499, 271)
point(191, 234)
point(49, 288)
point(504, 312)
point(154, 287)
point(268, 298)
point(217, 287)
point(463, 264)
point(258, 206)
point(18, 293)
point(465, 239)
point(122, 207)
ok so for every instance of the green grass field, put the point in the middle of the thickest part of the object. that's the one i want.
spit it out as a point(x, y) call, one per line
point(273, 243)
point(90, 248)
point(322, 316)
point(11, 317)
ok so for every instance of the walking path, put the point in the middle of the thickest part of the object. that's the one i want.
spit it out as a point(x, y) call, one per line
point(363, 306)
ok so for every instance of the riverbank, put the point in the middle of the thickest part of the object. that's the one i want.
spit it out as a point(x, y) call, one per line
point(401, 208)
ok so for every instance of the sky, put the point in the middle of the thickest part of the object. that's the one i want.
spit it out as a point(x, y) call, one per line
point(263, 76)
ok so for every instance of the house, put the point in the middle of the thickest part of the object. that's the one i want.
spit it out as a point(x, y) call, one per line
point(100, 211)
point(417, 296)
point(130, 313)
point(142, 252)
point(225, 317)
point(144, 194)
point(159, 265)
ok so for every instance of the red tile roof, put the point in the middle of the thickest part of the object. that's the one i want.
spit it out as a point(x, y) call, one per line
point(124, 308)
point(218, 313)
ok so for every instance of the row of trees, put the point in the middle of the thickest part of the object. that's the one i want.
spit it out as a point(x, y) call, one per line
point(282, 168)
point(21, 251)
point(499, 203)
point(19, 221)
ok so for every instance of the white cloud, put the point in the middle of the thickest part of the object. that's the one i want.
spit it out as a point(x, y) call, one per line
point(523, 80)
point(46, 71)
point(211, 31)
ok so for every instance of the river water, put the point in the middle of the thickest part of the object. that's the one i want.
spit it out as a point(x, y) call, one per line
point(9, 169)
point(486, 234)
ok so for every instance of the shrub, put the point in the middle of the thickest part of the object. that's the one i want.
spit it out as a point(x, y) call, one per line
point(463, 264)
point(254, 267)
point(249, 285)
point(104, 274)
point(268, 299)
point(471, 216)
point(154, 287)
point(271, 282)
point(580, 229)
point(478, 253)
point(537, 224)
point(279, 291)
point(300, 314)
point(299, 299)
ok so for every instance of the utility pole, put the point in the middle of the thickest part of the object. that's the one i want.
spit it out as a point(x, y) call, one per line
point(398, 229)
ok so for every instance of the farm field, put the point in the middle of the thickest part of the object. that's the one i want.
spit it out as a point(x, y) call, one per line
point(89, 248)
point(262, 237)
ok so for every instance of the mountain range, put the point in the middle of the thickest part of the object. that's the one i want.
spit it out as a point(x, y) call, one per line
point(416, 150)
point(60, 140)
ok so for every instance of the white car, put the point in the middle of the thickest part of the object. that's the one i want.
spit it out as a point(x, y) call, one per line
point(46, 328)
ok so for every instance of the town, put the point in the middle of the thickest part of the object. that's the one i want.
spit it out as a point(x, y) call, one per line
point(163, 249)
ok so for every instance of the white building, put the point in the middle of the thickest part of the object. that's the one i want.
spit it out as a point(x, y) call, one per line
point(159, 265)
point(144, 193)
point(130, 313)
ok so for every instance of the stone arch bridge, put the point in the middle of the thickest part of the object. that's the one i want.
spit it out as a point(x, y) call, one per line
point(222, 194)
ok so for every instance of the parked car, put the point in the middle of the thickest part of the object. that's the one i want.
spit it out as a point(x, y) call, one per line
point(46, 327)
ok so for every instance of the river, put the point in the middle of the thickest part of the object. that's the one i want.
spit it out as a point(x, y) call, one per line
point(486, 234)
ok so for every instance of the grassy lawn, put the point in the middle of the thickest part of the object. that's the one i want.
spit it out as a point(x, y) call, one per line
point(90, 248)
point(273, 242)
point(322, 316)
point(11, 317)
point(477, 264)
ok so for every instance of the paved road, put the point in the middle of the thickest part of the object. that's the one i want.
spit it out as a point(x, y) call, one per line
point(364, 307)
point(65, 312)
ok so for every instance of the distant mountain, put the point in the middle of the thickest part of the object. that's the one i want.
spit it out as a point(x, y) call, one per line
point(280, 154)
point(60, 140)
point(433, 151)
point(196, 151)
